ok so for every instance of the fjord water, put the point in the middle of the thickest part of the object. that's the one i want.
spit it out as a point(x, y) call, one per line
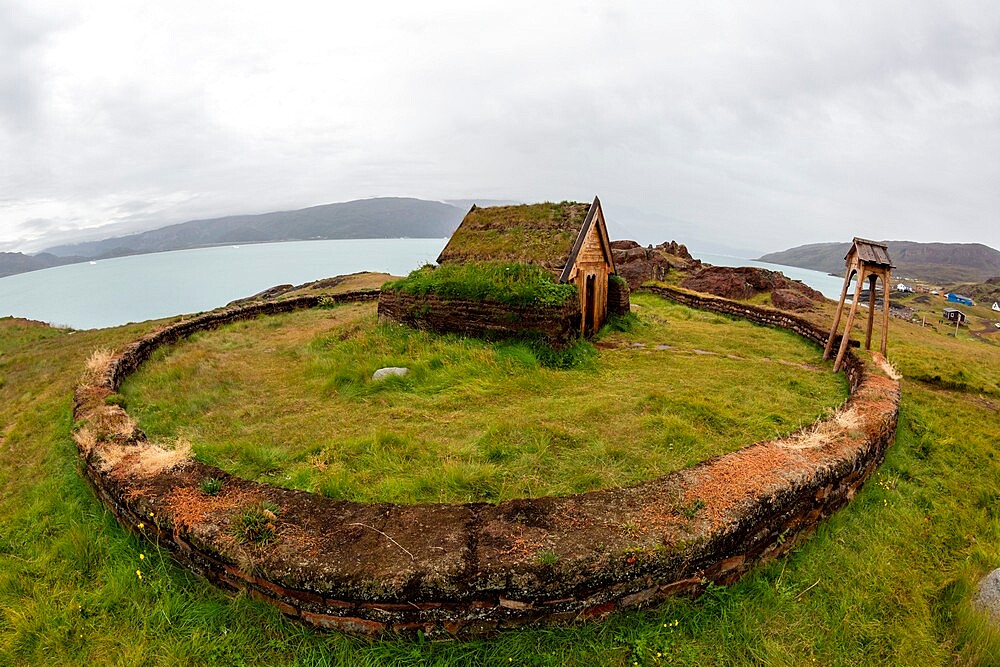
point(116, 291)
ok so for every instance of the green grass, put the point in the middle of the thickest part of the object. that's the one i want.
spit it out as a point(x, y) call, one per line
point(210, 486)
point(934, 355)
point(254, 525)
point(886, 581)
point(288, 400)
point(506, 283)
point(929, 307)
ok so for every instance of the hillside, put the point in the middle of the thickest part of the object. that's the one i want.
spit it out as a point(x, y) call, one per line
point(985, 293)
point(383, 217)
point(933, 262)
point(17, 262)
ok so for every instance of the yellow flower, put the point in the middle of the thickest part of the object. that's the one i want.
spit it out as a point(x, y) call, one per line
point(141, 525)
point(142, 556)
point(138, 573)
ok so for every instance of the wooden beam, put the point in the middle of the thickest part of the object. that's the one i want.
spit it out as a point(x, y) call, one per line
point(872, 279)
point(885, 309)
point(845, 340)
point(836, 318)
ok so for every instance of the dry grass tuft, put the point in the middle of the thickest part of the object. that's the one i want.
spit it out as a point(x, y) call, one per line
point(97, 366)
point(112, 423)
point(886, 366)
point(822, 433)
point(848, 420)
point(144, 459)
point(85, 439)
point(813, 437)
point(154, 459)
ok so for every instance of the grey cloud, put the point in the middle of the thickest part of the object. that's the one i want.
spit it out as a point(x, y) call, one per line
point(40, 224)
point(760, 125)
point(23, 33)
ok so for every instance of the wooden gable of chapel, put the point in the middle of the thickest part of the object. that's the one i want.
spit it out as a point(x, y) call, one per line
point(569, 239)
point(592, 247)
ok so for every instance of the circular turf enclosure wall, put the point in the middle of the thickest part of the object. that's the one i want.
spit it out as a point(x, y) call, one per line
point(475, 568)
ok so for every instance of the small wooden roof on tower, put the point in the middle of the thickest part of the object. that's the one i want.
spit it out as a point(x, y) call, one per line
point(548, 235)
point(870, 252)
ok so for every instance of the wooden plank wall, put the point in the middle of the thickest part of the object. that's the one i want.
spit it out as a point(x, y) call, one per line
point(591, 261)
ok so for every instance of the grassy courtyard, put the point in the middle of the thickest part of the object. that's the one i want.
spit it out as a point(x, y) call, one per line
point(289, 400)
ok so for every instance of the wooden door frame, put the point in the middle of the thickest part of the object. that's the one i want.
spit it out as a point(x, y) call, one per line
point(589, 304)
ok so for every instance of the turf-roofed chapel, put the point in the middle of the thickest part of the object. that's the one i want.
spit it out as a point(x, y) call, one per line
point(569, 239)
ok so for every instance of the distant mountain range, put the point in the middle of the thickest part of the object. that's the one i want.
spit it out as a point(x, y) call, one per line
point(382, 217)
point(396, 217)
point(933, 262)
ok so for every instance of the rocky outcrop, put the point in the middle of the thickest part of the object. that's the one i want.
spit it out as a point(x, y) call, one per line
point(283, 290)
point(788, 299)
point(746, 282)
point(637, 264)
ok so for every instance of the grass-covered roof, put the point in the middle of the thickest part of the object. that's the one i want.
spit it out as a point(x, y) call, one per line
point(540, 234)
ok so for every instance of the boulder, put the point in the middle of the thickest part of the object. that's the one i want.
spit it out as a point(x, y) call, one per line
point(988, 595)
point(389, 371)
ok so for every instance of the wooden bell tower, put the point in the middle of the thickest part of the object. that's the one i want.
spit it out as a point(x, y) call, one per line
point(870, 260)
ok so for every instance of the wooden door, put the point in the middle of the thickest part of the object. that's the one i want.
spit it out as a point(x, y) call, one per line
point(590, 306)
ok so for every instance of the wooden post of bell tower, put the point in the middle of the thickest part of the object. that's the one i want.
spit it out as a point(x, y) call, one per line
point(870, 260)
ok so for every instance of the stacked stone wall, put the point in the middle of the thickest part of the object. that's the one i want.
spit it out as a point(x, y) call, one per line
point(559, 325)
point(618, 298)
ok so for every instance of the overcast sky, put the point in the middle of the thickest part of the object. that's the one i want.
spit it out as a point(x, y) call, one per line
point(759, 125)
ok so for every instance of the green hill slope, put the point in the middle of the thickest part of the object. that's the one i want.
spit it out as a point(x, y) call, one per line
point(933, 262)
point(17, 262)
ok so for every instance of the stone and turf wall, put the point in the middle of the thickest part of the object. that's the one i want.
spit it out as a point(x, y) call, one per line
point(471, 569)
point(558, 325)
point(618, 297)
